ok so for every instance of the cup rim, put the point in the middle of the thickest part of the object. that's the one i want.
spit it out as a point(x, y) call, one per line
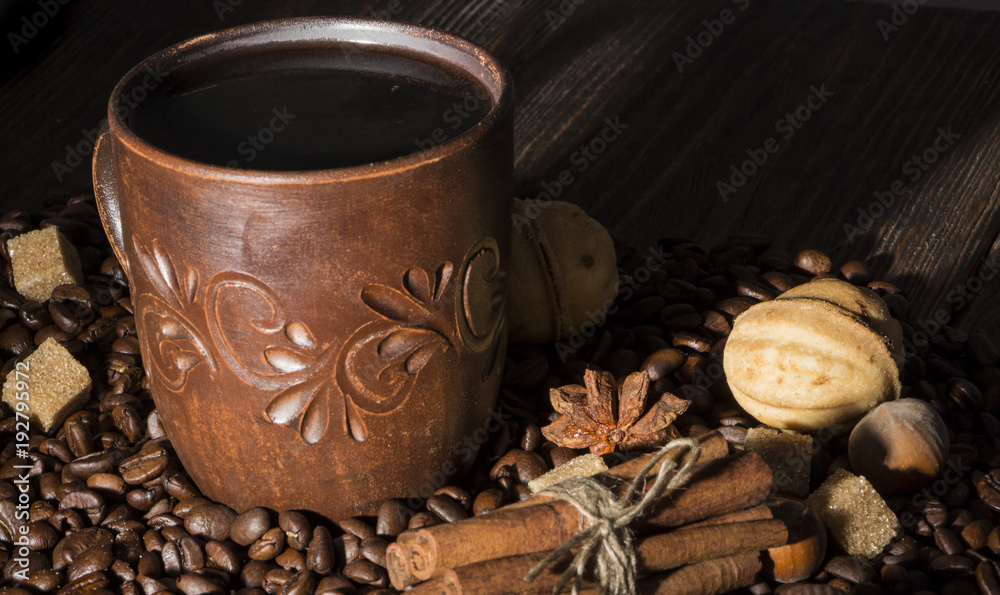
point(475, 60)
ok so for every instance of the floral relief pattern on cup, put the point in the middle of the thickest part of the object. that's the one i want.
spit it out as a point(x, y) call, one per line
point(373, 371)
point(179, 348)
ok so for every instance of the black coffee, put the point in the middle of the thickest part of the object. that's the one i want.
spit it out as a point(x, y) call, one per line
point(308, 107)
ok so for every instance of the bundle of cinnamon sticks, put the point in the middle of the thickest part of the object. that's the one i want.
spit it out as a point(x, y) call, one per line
point(703, 538)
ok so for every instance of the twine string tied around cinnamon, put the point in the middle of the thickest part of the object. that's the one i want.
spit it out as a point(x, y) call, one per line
point(606, 539)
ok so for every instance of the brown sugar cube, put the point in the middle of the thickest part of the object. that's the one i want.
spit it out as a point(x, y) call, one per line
point(854, 514)
point(788, 454)
point(51, 382)
point(41, 260)
point(581, 466)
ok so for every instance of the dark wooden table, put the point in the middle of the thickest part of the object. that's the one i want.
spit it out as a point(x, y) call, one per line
point(860, 129)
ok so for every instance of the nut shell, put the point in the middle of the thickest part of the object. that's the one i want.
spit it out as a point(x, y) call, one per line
point(899, 446)
point(860, 301)
point(804, 363)
point(564, 273)
point(805, 551)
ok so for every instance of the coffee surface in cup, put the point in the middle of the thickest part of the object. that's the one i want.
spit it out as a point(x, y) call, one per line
point(305, 107)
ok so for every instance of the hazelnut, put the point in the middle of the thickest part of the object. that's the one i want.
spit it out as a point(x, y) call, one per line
point(899, 446)
point(818, 356)
point(801, 556)
point(563, 271)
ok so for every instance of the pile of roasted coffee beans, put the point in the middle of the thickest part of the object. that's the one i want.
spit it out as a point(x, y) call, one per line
point(112, 509)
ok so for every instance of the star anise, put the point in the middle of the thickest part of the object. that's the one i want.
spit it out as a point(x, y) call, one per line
point(602, 418)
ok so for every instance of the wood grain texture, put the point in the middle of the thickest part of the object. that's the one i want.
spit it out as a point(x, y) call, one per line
point(579, 65)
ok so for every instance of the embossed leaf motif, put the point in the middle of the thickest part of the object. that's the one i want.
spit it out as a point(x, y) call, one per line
point(173, 341)
point(381, 360)
point(372, 372)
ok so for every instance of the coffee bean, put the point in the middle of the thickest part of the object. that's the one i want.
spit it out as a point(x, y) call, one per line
point(532, 438)
point(334, 585)
point(393, 515)
point(733, 434)
point(935, 513)
point(965, 394)
point(43, 581)
point(145, 465)
point(947, 541)
point(291, 560)
point(221, 555)
point(129, 546)
point(975, 533)
point(16, 340)
point(679, 317)
point(101, 331)
point(276, 579)
point(269, 545)
point(253, 573)
point(663, 363)
point(988, 488)
point(97, 558)
point(249, 526)
point(373, 549)
point(107, 485)
point(89, 583)
point(211, 521)
point(644, 309)
point(40, 536)
point(893, 573)
point(191, 555)
point(79, 438)
point(851, 569)
point(987, 578)
point(127, 420)
point(144, 499)
point(161, 521)
point(129, 345)
point(487, 501)
point(690, 341)
point(462, 497)
point(180, 486)
point(447, 509)
point(367, 573)
point(951, 564)
point(298, 533)
point(34, 315)
point(70, 320)
point(122, 571)
point(755, 290)
point(194, 584)
point(170, 554)
point(320, 555)
point(185, 506)
point(356, 526)
point(982, 350)
point(778, 280)
point(87, 502)
point(347, 547)
point(807, 589)
point(157, 585)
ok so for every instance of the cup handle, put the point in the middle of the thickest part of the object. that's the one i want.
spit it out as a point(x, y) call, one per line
point(106, 190)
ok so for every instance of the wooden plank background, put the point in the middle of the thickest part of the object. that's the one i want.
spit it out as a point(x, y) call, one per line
point(686, 114)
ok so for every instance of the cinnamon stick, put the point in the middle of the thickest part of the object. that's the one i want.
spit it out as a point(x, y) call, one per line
point(705, 578)
point(538, 524)
point(724, 485)
point(734, 482)
point(755, 513)
point(654, 554)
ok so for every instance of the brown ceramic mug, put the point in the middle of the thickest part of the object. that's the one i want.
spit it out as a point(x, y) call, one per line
point(316, 338)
